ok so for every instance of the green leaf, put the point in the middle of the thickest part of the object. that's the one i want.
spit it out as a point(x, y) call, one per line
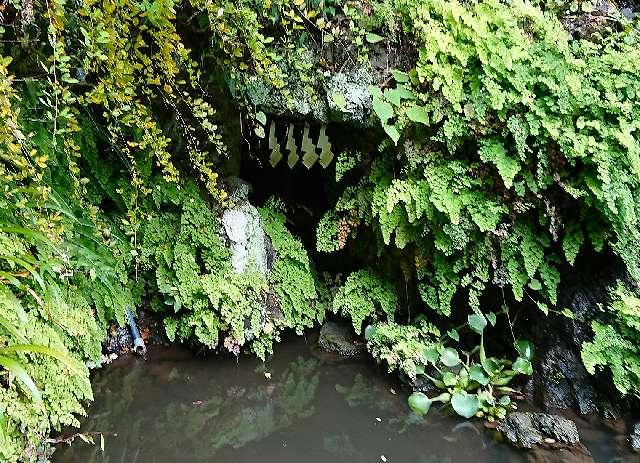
point(523, 366)
point(525, 348)
point(21, 375)
point(69, 362)
point(449, 357)
point(396, 95)
point(491, 316)
point(339, 100)
point(419, 403)
point(369, 331)
point(453, 334)
point(535, 284)
point(571, 244)
point(373, 38)
point(392, 132)
point(375, 92)
point(383, 110)
point(494, 152)
point(11, 329)
point(477, 322)
point(543, 307)
point(449, 379)
point(477, 373)
point(431, 355)
point(399, 76)
point(418, 114)
point(465, 405)
point(261, 117)
point(490, 366)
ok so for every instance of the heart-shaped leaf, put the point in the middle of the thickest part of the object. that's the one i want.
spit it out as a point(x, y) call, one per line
point(465, 405)
point(373, 38)
point(392, 132)
point(383, 110)
point(419, 403)
point(399, 76)
point(417, 113)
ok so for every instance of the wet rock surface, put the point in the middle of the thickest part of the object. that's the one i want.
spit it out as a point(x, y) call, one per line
point(593, 20)
point(547, 438)
point(526, 429)
point(563, 383)
point(338, 338)
point(560, 381)
point(634, 437)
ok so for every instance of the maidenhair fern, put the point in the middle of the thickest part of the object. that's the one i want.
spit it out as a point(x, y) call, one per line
point(365, 295)
point(616, 343)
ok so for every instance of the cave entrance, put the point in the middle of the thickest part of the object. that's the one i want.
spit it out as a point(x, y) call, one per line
point(304, 181)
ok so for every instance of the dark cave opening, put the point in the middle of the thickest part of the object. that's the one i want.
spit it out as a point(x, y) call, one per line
point(307, 192)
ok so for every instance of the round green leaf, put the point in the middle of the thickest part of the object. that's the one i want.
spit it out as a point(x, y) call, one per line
point(369, 331)
point(465, 405)
point(449, 357)
point(419, 403)
point(477, 322)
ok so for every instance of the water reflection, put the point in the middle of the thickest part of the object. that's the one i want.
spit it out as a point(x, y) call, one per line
point(296, 408)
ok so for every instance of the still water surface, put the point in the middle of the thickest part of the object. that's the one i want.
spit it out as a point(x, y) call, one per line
point(298, 407)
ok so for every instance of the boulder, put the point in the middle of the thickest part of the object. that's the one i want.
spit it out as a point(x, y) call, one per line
point(526, 429)
point(244, 234)
point(243, 231)
point(600, 18)
point(634, 437)
point(348, 97)
point(338, 338)
point(563, 383)
point(560, 381)
point(547, 438)
point(300, 103)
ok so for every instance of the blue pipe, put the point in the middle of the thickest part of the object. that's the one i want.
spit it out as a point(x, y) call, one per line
point(138, 342)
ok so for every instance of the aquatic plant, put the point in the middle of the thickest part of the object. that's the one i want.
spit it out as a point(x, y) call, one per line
point(472, 383)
